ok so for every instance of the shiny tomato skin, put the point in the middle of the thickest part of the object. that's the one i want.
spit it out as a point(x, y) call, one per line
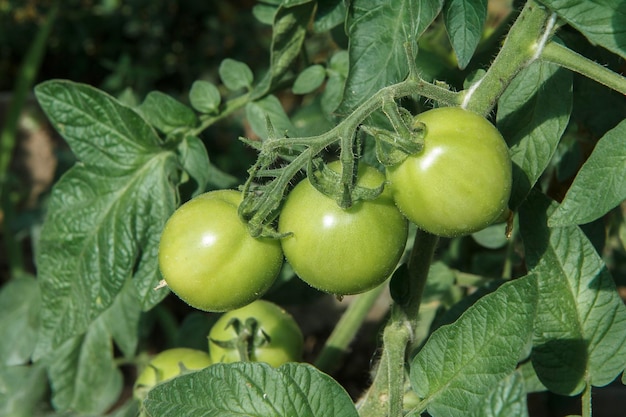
point(342, 251)
point(208, 258)
point(461, 181)
point(284, 340)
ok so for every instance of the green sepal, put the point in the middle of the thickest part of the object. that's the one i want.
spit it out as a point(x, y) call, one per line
point(249, 336)
point(330, 183)
point(392, 148)
point(260, 207)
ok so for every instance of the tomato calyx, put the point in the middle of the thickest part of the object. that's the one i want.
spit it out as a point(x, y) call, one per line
point(406, 138)
point(160, 374)
point(331, 183)
point(250, 336)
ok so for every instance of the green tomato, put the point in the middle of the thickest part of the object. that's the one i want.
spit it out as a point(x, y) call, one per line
point(342, 251)
point(167, 365)
point(208, 258)
point(461, 180)
point(259, 332)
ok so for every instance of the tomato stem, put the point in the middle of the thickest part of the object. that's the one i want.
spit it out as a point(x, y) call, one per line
point(586, 401)
point(526, 40)
point(345, 330)
point(258, 213)
point(566, 58)
point(421, 257)
point(385, 396)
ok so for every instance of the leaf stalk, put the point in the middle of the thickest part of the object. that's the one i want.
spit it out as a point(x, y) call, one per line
point(566, 58)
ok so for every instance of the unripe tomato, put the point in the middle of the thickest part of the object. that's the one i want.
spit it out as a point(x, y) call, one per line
point(208, 258)
point(167, 365)
point(265, 332)
point(342, 251)
point(461, 181)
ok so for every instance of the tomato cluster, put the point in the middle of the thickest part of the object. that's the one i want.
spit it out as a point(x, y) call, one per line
point(259, 332)
point(457, 184)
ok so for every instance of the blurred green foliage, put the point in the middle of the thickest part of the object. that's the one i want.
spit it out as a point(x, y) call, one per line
point(142, 44)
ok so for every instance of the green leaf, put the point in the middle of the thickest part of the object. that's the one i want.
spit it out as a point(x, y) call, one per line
point(80, 365)
point(464, 20)
point(378, 32)
point(532, 115)
point(580, 331)
point(205, 97)
point(338, 68)
point(603, 22)
point(460, 363)
point(130, 409)
point(22, 390)
point(329, 14)
point(122, 320)
point(235, 74)
point(195, 160)
point(290, 27)
point(531, 380)
point(100, 131)
point(105, 214)
point(309, 79)
point(166, 113)
point(492, 237)
point(438, 291)
point(507, 399)
point(19, 319)
point(264, 13)
point(258, 112)
point(600, 184)
point(251, 389)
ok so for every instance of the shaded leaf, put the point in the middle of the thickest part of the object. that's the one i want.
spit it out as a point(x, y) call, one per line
point(337, 73)
point(580, 332)
point(309, 79)
point(532, 115)
point(122, 320)
point(22, 389)
point(251, 389)
point(531, 380)
point(80, 365)
point(329, 14)
point(603, 22)
point(600, 184)
point(460, 363)
point(257, 113)
point(195, 160)
point(289, 31)
point(378, 32)
point(464, 20)
point(19, 320)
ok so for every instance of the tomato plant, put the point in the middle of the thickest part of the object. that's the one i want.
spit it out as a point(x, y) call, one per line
point(208, 258)
point(169, 364)
point(460, 182)
point(342, 251)
point(259, 332)
point(257, 97)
